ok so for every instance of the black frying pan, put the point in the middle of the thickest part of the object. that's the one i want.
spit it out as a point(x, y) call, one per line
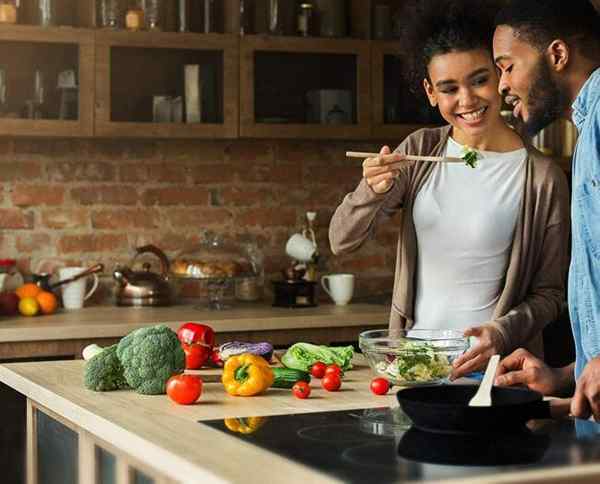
point(445, 408)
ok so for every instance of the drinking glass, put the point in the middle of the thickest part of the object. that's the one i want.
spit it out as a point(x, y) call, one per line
point(152, 12)
point(46, 14)
point(109, 14)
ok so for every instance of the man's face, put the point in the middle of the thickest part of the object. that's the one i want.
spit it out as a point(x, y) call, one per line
point(527, 82)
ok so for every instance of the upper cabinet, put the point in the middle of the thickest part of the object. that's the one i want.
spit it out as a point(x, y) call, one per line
point(204, 68)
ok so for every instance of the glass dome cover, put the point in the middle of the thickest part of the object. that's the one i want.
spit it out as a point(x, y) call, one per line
point(214, 258)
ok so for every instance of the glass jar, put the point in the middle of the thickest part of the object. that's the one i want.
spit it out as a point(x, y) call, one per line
point(152, 12)
point(10, 277)
point(8, 11)
point(134, 18)
point(46, 13)
point(109, 14)
point(305, 20)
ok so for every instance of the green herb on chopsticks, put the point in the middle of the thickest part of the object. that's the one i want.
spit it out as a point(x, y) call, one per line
point(470, 156)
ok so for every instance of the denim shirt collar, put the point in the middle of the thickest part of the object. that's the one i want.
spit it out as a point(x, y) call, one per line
point(587, 97)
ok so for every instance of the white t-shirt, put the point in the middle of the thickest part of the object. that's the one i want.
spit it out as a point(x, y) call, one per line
point(465, 220)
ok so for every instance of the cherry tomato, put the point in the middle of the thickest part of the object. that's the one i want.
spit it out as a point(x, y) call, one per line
point(318, 369)
point(380, 386)
point(184, 389)
point(331, 382)
point(301, 389)
point(334, 370)
point(195, 355)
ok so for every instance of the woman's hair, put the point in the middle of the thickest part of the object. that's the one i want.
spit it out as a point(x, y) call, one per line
point(437, 27)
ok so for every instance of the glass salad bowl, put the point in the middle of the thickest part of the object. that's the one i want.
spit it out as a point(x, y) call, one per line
point(412, 357)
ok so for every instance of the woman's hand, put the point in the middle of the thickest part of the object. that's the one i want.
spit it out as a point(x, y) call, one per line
point(380, 171)
point(490, 343)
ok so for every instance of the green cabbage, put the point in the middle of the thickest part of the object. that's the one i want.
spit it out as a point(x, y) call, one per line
point(301, 356)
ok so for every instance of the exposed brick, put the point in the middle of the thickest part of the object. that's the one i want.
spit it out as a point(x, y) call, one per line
point(267, 217)
point(113, 149)
point(168, 173)
point(250, 151)
point(247, 196)
point(11, 171)
point(287, 173)
point(197, 219)
point(32, 242)
point(194, 150)
point(51, 149)
point(337, 175)
point(64, 218)
point(33, 195)
point(105, 194)
point(69, 244)
point(211, 173)
point(14, 218)
point(124, 219)
point(80, 171)
point(176, 196)
point(366, 263)
point(252, 172)
point(134, 173)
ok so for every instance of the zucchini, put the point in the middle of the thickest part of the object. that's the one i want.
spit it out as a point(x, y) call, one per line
point(286, 377)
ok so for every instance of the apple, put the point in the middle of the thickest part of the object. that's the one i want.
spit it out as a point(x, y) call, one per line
point(9, 303)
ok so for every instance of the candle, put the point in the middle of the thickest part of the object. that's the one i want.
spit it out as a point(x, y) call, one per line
point(134, 19)
point(8, 13)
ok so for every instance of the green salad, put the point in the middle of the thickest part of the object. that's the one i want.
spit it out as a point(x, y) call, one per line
point(417, 362)
point(470, 156)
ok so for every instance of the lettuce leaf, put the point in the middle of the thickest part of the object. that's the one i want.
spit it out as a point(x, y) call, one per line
point(301, 356)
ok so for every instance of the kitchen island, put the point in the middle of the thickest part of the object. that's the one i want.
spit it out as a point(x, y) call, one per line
point(66, 333)
point(137, 437)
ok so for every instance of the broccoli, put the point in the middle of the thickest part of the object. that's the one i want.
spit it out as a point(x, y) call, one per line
point(103, 371)
point(150, 356)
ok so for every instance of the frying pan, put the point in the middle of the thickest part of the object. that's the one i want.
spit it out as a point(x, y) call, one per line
point(445, 408)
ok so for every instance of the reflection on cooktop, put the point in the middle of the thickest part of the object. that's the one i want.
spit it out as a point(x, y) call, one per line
point(373, 445)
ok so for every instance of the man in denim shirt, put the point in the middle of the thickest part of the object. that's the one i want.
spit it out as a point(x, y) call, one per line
point(548, 55)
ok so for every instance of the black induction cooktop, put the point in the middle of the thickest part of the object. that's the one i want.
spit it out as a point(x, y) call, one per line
point(378, 445)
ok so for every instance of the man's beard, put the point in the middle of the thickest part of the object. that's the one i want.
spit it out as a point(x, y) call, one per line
point(546, 101)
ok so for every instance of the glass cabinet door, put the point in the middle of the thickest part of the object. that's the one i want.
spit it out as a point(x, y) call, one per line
point(57, 451)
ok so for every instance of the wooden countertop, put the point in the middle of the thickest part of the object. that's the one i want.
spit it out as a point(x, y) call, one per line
point(167, 437)
point(115, 322)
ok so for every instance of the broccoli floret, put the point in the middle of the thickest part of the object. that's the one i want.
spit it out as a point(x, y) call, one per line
point(150, 356)
point(103, 372)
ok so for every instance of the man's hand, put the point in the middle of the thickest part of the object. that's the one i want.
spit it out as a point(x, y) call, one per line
point(522, 368)
point(586, 400)
point(490, 343)
point(380, 171)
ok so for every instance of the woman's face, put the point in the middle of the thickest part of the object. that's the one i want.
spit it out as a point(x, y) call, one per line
point(464, 87)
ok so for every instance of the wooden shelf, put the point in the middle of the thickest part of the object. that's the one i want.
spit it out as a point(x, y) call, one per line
point(180, 46)
point(252, 46)
point(23, 52)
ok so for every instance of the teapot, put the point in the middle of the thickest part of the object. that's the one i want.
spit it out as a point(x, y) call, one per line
point(144, 288)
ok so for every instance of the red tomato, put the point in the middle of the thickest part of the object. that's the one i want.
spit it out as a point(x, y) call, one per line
point(195, 355)
point(380, 386)
point(301, 389)
point(334, 370)
point(184, 389)
point(318, 369)
point(331, 382)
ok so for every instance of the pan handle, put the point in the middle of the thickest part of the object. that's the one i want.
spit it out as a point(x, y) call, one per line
point(556, 408)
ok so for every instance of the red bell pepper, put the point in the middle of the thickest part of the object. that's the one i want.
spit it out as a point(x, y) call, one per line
point(197, 341)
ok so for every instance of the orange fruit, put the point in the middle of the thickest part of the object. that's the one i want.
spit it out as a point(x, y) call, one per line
point(47, 302)
point(28, 290)
point(28, 306)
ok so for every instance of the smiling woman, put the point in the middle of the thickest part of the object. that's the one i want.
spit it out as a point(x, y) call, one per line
point(480, 250)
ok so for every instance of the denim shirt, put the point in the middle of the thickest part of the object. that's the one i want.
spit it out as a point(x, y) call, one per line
point(584, 273)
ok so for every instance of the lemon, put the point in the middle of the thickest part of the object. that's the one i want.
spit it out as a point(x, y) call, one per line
point(28, 306)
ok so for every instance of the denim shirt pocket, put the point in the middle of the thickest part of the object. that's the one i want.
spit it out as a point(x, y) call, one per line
point(587, 197)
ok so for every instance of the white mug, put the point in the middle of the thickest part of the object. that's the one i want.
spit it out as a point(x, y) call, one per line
point(73, 293)
point(300, 248)
point(340, 287)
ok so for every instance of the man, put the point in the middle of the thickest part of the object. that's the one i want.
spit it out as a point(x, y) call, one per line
point(548, 56)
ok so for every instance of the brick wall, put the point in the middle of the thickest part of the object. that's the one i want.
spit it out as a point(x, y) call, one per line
point(88, 201)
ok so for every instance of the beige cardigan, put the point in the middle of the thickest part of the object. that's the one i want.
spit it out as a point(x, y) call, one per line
point(534, 288)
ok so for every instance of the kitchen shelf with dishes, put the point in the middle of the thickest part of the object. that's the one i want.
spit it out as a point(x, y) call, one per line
point(210, 69)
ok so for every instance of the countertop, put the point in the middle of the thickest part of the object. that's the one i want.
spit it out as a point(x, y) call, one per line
point(115, 322)
point(168, 438)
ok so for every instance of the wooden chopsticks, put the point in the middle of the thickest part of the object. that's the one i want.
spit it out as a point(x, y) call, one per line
point(446, 159)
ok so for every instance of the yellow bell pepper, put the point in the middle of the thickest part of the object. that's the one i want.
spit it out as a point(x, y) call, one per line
point(246, 375)
point(245, 425)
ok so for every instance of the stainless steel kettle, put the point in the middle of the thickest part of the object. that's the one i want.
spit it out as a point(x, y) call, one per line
point(144, 288)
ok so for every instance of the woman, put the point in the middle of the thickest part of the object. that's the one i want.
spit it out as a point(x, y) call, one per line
point(482, 249)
